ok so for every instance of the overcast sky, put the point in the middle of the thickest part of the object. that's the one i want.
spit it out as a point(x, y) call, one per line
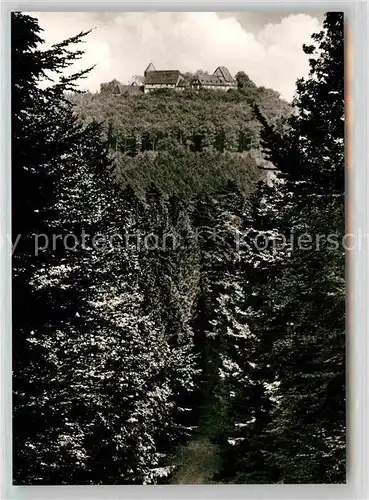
point(268, 47)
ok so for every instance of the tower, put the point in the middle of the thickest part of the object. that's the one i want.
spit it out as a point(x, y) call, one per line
point(149, 68)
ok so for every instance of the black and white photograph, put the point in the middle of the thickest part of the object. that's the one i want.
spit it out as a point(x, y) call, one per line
point(179, 245)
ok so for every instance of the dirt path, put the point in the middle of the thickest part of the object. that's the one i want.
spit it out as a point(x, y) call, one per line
point(197, 463)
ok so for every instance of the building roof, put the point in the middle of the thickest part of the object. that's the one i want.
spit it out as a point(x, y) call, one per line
point(223, 73)
point(169, 77)
point(213, 80)
point(137, 80)
point(149, 68)
point(115, 87)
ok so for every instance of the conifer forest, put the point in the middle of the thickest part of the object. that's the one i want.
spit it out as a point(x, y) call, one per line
point(178, 290)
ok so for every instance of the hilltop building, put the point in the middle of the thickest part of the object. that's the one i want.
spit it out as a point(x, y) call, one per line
point(221, 79)
point(154, 79)
point(115, 87)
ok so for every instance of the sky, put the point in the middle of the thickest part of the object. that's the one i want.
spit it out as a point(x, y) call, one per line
point(266, 46)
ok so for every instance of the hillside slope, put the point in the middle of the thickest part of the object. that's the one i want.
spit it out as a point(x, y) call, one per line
point(186, 143)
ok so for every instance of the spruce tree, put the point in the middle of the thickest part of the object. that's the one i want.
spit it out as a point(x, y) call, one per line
point(94, 391)
point(306, 295)
point(44, 137)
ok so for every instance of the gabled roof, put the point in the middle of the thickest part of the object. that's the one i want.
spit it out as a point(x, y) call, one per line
point(209, 80)
point(149, 68)
point(115, 87)
point(222, 72)
point(169, 77)
point(137, 80)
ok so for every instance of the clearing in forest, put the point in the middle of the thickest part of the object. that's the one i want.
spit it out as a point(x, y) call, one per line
point(198, 461)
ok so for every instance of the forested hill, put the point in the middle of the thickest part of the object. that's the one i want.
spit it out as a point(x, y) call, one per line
point(187, 143)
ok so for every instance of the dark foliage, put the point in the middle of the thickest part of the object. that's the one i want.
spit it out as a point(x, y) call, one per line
point(189, 321)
